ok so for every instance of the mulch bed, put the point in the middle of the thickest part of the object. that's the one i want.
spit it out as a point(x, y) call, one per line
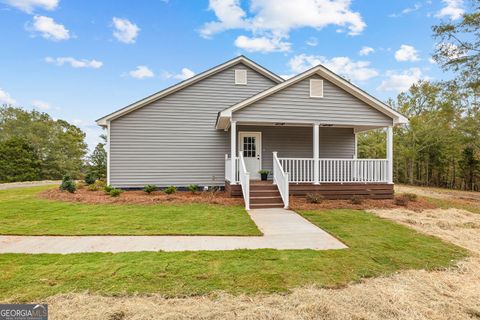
point(141, 197)
point(300, 203)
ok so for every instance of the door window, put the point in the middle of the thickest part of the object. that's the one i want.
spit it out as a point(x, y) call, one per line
point(249, 147)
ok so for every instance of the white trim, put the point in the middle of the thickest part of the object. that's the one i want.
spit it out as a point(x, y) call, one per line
point(260, 151)
point(316, 153)
point(312, 81)
point(241, 59)
point(390, 154)
point(233, 151)
point(355, 154)
point(328, 75)
point(108, 152)
point(238, 76)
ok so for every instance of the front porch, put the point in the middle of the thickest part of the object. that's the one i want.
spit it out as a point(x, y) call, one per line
point(339, 176)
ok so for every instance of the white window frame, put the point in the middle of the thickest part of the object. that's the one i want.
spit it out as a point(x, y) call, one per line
point(237, 72)
point(311, 83)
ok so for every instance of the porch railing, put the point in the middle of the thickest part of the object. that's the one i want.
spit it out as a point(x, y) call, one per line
point(228, 169)
point(280, 178)
point(244, 181)
point(301, 170)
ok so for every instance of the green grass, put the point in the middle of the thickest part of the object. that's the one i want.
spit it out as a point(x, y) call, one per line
point(376, 247)
point(23, 213)
point(450, 203)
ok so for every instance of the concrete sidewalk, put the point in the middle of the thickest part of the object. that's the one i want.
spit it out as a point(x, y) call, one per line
point(282, 229)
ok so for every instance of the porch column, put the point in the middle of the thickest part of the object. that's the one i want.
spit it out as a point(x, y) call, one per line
point(316, 153)
point(233, 151)
point(355, 155)
point(390, 154)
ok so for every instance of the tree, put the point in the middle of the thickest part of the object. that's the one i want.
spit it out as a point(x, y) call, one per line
point(58, 145)
point(98, 160)
point(18, 161)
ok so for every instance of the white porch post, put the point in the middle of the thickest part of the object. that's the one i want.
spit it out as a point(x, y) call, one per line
point(108, 152)
point(390, 154)
point(233, 151)
point(355, 155)
point(316, 153)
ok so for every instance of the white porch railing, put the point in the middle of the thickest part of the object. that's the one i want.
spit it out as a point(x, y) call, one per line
point(228, 169)
point(280, 178)
point(244, 181)
point(301, 170)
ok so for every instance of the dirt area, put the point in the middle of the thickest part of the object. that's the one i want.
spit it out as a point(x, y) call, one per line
point(416, 294)
point(141, 197)
point(300, 203)
point(439, 193)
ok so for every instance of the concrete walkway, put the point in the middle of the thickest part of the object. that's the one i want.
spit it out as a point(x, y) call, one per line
point(282, 229)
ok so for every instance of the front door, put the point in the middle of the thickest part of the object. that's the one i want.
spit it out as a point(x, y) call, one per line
point(250, 144)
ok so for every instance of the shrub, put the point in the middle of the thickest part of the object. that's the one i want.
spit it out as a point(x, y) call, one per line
point(356, 199)
point(314, 198)
point(68, 184)
point(93, 187)
point(149, 188)
point(263, 171)
point(80, 184)
point(115, 192)
point(401, 201)
point(100, 184)
point(108, 188)
point(411, 196)
point(193, 188)
point(170, 190)
point(90, 178)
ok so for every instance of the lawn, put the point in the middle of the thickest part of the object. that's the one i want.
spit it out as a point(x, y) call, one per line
point(22, 212)
point(376, 247)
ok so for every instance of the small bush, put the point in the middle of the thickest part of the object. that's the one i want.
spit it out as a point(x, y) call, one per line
point(356, 199)
point(90, 178)
point(68, 184)
point(193, 188)
point(100, 184)
point(93, 187)
point(401, 201)
point(314, 198)
point(149, 188)
point(263, 171)
point(115, 192)
point(170, 190)
point(411, 196)
point(108, 188)
point(80, 185)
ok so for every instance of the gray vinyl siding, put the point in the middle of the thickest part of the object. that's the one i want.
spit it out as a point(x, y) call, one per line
point(297, 142)
point(173, 141)
point(294, 105)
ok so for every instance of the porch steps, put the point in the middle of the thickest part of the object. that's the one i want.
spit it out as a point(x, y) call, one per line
point(265, 196)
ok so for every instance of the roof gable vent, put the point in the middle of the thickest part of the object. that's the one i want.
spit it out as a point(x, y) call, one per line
point(316, 88)
point(240, 76)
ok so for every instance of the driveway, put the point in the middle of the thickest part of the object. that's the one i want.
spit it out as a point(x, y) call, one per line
point(27, 184)
point(282, 229)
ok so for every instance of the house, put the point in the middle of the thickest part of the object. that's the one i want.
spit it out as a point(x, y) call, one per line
point(220, 127)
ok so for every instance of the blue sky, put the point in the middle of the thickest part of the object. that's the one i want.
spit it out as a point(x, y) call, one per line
point(79, 60)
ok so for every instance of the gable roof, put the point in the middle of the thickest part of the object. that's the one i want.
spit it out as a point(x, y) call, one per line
point(223, 118)
point(163, 93)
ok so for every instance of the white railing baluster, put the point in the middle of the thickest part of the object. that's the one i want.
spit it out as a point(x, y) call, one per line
point(244, 181)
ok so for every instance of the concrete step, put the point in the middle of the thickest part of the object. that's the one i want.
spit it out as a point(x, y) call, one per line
point(266, 205)
point(260, 200)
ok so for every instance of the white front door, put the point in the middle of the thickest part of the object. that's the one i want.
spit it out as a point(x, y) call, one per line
point(250, 144)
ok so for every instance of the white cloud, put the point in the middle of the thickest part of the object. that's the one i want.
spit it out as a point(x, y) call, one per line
point(6, 98)
point(344, 66)
point(49, 29)
point(125, 30)
point(401, 81)
point(184, 74)
point(261, 44)
point(312, 42)
point(431, 60)
point(408, 10)
point(141, 72)
point(274, 19)
point(453, 9)
point(406, 53)
point(75, 63)
point(39, 104)
point(30, 5)
point(365, 51)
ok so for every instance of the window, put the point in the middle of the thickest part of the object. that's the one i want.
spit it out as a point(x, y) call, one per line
point(240, 76)
point(316, 88)
point(249, 147)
